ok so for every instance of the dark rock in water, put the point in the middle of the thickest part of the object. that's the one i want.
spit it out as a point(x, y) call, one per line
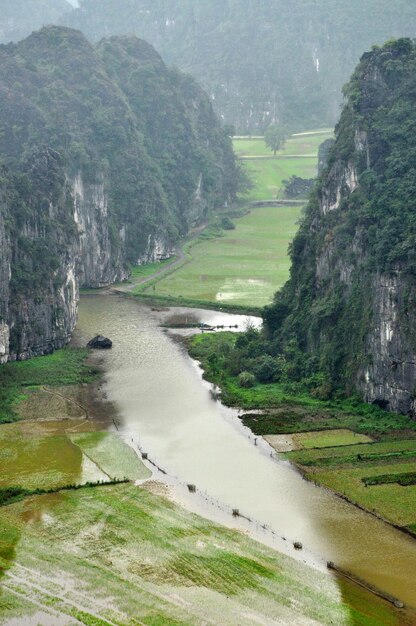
point(100, 342)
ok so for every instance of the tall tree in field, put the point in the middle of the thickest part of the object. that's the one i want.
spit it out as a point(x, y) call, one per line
point(275, 137)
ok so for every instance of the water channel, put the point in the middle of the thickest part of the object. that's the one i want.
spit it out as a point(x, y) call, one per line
point(165, 408)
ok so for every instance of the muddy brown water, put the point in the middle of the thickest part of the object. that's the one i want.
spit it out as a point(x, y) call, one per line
point(166, 409)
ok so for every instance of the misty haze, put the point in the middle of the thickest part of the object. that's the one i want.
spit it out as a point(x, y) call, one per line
point(207, 312)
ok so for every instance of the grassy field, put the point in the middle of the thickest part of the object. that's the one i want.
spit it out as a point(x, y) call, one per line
point(124, 555)
point(268, 175)
point(63, 367)
point(52, 454)
point(329, 438)
point(246, 266)
point(344, 470)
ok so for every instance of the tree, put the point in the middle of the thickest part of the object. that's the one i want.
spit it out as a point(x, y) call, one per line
point(275, 137)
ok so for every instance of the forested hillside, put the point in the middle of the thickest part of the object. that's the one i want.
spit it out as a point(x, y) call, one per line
point(109, 158)
point(261, 61)
point(348, 310)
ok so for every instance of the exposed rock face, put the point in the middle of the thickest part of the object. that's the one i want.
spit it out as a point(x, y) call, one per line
point(39, 285)
point(97, 265)
point(4, 286)
point(389, 379)
point(351, 298)
point(110, 157)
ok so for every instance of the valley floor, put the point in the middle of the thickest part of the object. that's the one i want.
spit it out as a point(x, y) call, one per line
point(361, 452)
point(245, 266)
point(125, 554)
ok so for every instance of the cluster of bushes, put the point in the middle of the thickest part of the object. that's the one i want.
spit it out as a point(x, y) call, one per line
point(253, 359)
point(9, 495)
point(406, 479)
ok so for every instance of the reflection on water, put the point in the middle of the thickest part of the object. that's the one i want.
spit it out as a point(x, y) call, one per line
point(166, 408)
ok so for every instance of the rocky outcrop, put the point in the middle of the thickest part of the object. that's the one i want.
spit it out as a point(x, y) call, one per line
point(100, 343)
point(97, 264)
point(389, 377)
point(110, 158)
point(350, 302)
point(39, 283)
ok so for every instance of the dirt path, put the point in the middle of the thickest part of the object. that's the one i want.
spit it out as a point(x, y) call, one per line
point(70, 400)
point(180, 257)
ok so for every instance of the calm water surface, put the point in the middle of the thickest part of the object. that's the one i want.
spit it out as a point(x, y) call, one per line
point(165, 407)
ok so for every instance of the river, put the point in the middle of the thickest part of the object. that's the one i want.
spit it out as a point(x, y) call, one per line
point(166, 409)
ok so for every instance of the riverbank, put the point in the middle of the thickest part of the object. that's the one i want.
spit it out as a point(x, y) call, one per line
point(109, 553)
point(64, 368)
point(376, 474)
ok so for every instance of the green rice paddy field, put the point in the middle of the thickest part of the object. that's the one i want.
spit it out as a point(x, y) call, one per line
point(247, 265)
point(126, 555)
point(345, 468)
point(361, 452)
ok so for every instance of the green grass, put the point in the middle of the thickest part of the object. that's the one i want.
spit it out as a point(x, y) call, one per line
point(368, 474)
point(63, 367)
point(123, 555)
point(306, 144)
point(52, 454)
point(244, 266)
point(268, 175)
point(41, 456)
point(111, 454)
point(367, 454)
point(287, 411)
point(329, 438)
point(139, 272)
point(405, 479)
point(390, 501)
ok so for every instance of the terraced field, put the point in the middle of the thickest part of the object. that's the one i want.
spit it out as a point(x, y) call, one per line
point(366, 475)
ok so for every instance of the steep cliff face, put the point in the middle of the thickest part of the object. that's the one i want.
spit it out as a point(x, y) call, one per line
point(4, 283)
point(109, 159)
point(39, 287)
point(350, 299)
point(97, 264)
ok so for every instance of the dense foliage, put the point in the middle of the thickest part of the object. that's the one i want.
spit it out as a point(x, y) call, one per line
point(116, 113)
point(351, 292)
point(262, 62)
point(341, 257)
point(109, 158)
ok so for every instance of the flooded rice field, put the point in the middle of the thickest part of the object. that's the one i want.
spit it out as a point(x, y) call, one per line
point(165, 409)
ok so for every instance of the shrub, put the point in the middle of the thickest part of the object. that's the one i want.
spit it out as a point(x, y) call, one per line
point(265, 369)
point(246, 379)
point(227, 224)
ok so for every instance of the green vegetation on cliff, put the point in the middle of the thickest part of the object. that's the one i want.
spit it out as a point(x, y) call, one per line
point(300, 52)
point(110, 157)
point(348, 306)
point(117, 116)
